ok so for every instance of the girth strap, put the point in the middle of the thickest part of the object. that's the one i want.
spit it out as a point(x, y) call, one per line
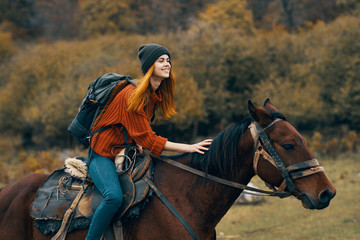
point(171, 208)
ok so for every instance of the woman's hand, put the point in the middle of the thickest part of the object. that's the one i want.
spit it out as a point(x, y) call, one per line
point(200, 147)
point(140, 148)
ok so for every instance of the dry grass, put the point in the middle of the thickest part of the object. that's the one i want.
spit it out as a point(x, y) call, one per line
point(287, 219)
point(273, 219)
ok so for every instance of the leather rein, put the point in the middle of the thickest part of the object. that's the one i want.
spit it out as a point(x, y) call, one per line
point(289, 173)
point(261, 142)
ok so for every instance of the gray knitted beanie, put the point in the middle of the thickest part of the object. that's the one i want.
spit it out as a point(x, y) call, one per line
point(149, 53)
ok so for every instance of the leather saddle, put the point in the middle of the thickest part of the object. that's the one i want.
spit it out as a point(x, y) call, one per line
point(61, 192)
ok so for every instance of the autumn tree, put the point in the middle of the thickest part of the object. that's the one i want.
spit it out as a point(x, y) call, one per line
point(105, 16)
point(229, 14)
point(337, 71)
point(206, 50)
point(14, 17)
point(156, 16)
point(190, 111)
point(45, 85)
point(54, 19)
point(221, 62)
point(292, 14)
point(7, 46)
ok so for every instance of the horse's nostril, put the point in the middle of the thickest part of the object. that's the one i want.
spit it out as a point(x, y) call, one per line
point(325, 196)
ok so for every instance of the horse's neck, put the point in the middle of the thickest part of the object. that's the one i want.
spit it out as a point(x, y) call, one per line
point(206, 200)
point(220, 197)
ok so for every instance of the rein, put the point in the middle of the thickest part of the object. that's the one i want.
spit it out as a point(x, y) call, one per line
point(223, 181)
point(289, 173)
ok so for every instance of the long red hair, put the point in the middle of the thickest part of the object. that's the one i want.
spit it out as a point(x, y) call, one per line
point(140, 98)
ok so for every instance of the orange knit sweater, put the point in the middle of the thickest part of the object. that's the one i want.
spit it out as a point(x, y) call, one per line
point(137, 125)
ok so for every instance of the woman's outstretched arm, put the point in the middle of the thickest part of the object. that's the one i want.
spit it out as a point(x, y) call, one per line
point(199, 147)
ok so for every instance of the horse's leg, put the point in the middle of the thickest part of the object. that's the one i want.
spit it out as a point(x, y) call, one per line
point(15, 201)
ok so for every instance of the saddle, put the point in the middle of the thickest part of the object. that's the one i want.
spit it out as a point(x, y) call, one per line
point(64, 196)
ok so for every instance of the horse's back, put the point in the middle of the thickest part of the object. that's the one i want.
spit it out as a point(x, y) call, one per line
point(15, 200)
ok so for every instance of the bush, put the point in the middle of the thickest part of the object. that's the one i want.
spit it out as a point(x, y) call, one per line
point(350, 142)
point(7, 46)
point(316, 145)
point(4, 177)
point(331, 147)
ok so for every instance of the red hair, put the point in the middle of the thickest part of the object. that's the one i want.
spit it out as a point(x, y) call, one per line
point(140, 97)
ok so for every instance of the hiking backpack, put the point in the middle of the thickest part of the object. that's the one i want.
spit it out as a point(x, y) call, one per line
point(99, 95)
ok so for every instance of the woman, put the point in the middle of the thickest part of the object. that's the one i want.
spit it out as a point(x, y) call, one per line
point(133, 108)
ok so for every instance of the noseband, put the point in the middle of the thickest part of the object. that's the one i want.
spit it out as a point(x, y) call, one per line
point(289, 173)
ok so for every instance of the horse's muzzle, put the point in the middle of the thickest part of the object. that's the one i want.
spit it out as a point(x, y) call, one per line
point(322, 201)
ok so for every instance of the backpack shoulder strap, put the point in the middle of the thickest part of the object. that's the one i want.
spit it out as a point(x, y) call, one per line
point(120, 86)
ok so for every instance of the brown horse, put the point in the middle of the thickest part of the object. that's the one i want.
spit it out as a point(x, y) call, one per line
point(200, 201)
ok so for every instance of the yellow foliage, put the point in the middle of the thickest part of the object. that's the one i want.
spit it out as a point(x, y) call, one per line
point(332, 147)
point(49, 161)
point(31, 164)
point(105, 16)
point(50, 81)
point(4, 178)
point(351, 141)
point(296, 99)
point(30, 161)
point(189, 100)
point(6, 45)
point(229, 14)
point(316, 145)
point(222, 61)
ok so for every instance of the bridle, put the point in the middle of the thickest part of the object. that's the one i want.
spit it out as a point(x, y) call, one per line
point(289, 173)
point(261, 142)
point(264, 148)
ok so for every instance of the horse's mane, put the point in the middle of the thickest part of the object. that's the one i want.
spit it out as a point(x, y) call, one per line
point(219, 160)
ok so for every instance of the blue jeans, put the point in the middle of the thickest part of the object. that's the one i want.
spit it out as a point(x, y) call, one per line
point(103, 173)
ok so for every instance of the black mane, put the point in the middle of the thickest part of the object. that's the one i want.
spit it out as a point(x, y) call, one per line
point(222, 155)
point(278, 115)
point(221, 158)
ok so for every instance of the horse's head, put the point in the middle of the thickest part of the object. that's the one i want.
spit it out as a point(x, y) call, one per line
point(284, 161)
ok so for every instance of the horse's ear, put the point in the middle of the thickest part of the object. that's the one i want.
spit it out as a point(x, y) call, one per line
point(259, 114)
point(269, 106)
point(267, 101)
point(253, 112)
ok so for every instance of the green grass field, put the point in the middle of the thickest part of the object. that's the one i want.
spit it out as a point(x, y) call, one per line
point(286, 218)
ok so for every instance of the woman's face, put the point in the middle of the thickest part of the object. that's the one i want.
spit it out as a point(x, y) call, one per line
point(162, 67)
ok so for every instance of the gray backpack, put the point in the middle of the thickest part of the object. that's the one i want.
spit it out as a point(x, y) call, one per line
point(99, 95)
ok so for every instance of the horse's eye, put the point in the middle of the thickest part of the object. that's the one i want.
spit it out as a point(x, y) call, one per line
point(288, 147)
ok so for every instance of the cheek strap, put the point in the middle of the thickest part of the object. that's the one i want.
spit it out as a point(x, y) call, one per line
point(294, 171)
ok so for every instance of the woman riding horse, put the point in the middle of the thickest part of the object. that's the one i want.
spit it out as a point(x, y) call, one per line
point(281, 159)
